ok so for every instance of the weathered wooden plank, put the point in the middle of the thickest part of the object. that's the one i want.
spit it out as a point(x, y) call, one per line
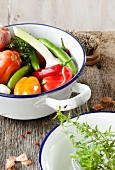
point(80, 15)
point(4, 12)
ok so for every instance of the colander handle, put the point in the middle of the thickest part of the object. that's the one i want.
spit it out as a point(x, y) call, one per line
point(72, 103)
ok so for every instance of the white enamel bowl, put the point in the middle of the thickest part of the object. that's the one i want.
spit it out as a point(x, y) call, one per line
point(43, 104)
point(55, 150)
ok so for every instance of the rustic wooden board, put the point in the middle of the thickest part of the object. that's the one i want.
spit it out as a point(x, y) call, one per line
point(4, 12)
point(79, 15)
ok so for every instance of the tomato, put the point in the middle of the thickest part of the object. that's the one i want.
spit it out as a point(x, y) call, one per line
point(10, 62)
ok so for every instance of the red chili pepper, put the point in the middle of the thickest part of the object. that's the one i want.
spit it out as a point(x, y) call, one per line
point(52, 82)
point(64, 48)
point(67, 51)
point(49, 71)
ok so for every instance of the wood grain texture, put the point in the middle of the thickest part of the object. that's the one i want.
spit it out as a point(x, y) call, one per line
point(79, 15)
point(4, 13)
point(100, 78)
point(70, 15)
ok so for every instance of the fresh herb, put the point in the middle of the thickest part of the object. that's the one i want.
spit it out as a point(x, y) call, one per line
point(36, 44)
point(27, 52)
point(96, 150)
point(22, 47)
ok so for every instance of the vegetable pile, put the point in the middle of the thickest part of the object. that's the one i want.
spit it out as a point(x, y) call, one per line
point(96, 150)
point(31, 65)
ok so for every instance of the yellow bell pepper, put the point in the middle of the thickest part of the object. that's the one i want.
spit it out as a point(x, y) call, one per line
point(27, 85)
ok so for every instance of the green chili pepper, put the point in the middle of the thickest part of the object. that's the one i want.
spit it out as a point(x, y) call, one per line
point(58, 52)
point(18, 75)
point(34, 59)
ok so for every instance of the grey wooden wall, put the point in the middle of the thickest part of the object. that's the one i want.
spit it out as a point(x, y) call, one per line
point(80, 15)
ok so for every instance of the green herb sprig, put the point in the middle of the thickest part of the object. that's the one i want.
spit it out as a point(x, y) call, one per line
point(96, 150)
point(22, 47)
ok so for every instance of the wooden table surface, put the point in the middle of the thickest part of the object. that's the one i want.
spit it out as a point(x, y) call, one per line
point(100, 77)
point(73, 14)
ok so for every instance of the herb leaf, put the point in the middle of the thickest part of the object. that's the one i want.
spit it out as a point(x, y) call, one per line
point(96, 150)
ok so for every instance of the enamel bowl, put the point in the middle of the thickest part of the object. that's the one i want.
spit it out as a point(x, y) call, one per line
point(43, 104)
point(56, 148)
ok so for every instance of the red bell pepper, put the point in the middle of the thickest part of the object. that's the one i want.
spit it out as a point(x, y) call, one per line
point(10, 62)
point(49, 71)
point(52, 82)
